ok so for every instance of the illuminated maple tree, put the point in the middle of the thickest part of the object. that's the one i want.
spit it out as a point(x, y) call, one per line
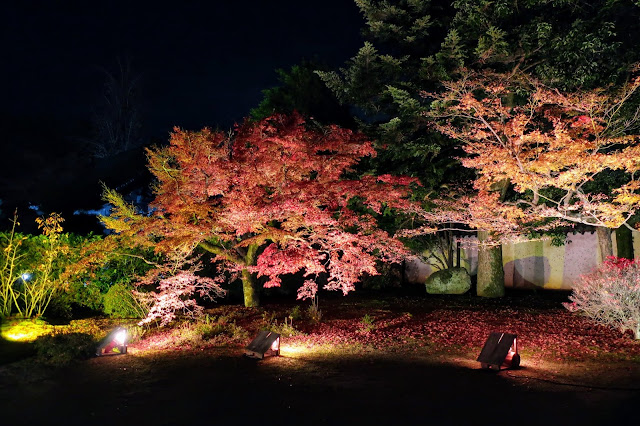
point(556, 151)
point(276, 198)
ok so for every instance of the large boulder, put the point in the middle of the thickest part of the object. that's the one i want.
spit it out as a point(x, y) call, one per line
point(449, 281)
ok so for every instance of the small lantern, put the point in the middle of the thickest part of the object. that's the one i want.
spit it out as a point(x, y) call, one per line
point(266, 343)
point(114, 344)
point(500, 350)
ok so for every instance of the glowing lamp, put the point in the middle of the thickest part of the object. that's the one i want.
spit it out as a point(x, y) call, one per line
point(266, 343)
point(114, 344)
point(500, 350)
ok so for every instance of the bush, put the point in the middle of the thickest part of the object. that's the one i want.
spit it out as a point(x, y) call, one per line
point(610, 295)
point(119, 302)
point(207, 331)
point(61, 349)
point(39, 272)
point(296, 313)
point(83, 295)
point(32, 267)
point(314, 313)
point(90, 283)
point(285, 329)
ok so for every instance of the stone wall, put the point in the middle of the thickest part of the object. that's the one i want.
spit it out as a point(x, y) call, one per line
point(532, 264)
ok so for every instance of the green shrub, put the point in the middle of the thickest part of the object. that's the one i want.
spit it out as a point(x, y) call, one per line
point(61, 349)
point(187, 334)
point(367, 322)
point(33, 266)
point(285, 329)
point(89, 288)
point(268, 317)
point(86, 294)
point(119, 302)
point(136, 333)
point(296, 313)
point(314, 313)
point(83, 294)
point(367, 319)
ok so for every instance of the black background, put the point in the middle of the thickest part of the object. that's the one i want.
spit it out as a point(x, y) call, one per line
point(199, 64)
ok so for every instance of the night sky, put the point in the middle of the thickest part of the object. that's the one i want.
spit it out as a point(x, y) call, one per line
point(199, 64)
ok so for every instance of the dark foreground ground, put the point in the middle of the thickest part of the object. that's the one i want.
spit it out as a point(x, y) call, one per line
point(220, 387)
point(419, 370)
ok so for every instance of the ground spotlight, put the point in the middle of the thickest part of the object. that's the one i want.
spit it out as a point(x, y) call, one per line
point(500, 350)
point(115, 343)
point(266, 343)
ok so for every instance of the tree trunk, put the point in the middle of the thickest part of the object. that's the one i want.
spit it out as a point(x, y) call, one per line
point(250, 288)
point(490, 269)
point(624, 242)
point(605, 243)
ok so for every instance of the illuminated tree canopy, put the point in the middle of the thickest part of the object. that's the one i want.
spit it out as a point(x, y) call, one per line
point(276, 198)
point(556, 150)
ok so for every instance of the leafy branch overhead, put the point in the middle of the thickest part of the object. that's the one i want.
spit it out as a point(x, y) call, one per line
point(556, 150)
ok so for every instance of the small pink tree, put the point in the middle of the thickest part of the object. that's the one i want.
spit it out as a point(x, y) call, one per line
point(610, 295)
point(175, 294)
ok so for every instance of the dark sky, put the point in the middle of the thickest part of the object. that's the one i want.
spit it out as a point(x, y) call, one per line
point(200, 64)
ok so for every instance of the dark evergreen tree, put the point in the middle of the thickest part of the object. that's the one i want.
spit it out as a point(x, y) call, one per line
point(301, 89)
point(412, 45)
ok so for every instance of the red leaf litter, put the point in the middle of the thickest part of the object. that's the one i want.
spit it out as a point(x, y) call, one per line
point(544, 327)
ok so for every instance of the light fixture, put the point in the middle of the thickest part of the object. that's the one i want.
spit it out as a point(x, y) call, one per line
point(500, 350)
point(266, 343)
point(115, 343)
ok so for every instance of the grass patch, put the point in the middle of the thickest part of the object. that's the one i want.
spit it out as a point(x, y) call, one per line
point(208, 331)
point(24, 330)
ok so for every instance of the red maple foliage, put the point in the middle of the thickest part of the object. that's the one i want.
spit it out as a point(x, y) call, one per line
point(276, 198)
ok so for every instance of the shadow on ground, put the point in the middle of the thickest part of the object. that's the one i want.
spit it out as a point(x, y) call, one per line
point(14, 351)
point(221, 387)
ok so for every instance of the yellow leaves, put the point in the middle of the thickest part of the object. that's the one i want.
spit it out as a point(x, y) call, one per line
point(628, 199)
point(123, 215)
point(51, 225)
point(628, 195)
point(629, 158)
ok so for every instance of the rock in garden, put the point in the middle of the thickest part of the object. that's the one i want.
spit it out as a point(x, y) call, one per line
point(449, 281)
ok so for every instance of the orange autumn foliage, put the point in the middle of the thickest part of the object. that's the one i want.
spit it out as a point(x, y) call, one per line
point(549, 146)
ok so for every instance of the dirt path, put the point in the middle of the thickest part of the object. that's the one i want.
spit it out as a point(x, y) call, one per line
point(220, 387)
